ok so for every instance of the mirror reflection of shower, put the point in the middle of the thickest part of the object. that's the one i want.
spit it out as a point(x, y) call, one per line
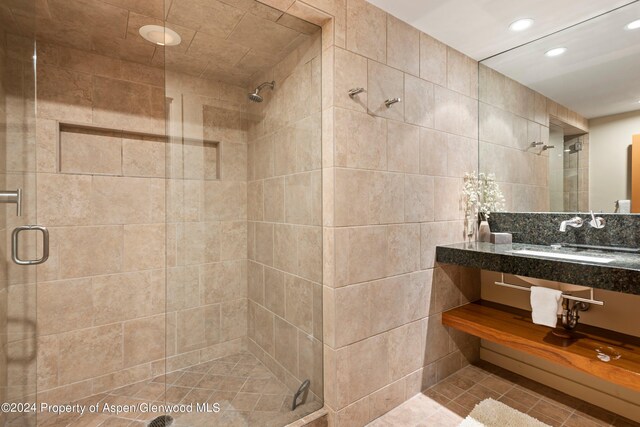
point(255, 95)
point(574, 148)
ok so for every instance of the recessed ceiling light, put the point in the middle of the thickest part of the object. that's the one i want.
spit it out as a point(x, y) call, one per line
point(521, 24)
point(161, 36)
point(633, 25)
point(556, 51)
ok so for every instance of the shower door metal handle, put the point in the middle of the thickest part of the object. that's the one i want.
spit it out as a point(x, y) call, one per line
point(14, 245)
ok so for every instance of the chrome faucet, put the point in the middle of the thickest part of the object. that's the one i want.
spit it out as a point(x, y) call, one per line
point(575, 222)
point(596, 221)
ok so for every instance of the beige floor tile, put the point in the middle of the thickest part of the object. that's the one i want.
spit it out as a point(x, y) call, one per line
point(525, 398)
point(552, 411)
point(188, 379)
point(576, 420)
point(497, 384)
point(450, 401)
point(270, 402)
point(466, 400)
point(265, 401)
point(448, 390)
point(245, 401)
point(545, 418)
point(176, 394)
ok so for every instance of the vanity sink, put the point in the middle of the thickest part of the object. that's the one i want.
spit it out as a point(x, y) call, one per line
point(613, 271)
point(560, 255)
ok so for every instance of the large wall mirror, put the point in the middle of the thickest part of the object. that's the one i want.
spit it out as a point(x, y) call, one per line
point(560, 118)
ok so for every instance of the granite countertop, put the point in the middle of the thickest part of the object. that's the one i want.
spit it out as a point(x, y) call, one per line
point(620, 275)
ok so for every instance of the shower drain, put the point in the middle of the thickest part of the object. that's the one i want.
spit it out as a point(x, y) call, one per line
point(161, 421)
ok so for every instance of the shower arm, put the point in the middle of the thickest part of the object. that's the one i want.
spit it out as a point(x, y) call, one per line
point(270, 84)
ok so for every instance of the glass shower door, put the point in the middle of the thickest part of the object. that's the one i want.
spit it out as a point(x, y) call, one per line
point(17, 192)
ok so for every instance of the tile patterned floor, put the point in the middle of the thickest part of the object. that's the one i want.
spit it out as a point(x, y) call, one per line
point(248, 394)
point(449, 402)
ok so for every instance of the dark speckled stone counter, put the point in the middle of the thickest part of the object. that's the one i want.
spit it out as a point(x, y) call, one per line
point(543, 229)
point(620, 275)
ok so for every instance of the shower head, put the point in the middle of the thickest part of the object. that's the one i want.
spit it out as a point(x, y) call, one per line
point(255, 95)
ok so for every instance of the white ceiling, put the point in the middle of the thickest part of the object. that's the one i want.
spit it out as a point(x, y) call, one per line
point(597, 76)
point(480, 28)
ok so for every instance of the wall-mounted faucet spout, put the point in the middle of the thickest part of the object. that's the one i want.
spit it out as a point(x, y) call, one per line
point(575, 222)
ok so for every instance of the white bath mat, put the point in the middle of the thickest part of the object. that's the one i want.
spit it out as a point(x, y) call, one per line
point(491, 413)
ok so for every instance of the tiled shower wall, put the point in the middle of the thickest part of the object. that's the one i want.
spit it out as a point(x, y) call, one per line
point(576, 176)
point(3, 227)
point(391, 185)
point(17, 299)
point(395, 175)
point(512, 116)
point(102, 192)
point(285, 220)
point(206, 220)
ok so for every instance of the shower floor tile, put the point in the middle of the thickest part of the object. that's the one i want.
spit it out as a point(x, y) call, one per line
point(247, 393)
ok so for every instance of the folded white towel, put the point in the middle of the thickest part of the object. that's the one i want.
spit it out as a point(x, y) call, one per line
point(623, 206)
point(546, 305)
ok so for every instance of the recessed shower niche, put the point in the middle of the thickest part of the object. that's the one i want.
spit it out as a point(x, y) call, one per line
point(101, 151)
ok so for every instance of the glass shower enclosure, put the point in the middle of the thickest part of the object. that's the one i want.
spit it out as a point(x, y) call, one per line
point(167, 259)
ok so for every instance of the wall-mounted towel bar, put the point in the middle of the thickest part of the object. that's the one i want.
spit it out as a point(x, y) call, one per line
point(569, 297)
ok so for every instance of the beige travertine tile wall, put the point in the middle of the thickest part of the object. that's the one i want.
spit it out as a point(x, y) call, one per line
point(396, 175)
point(206, 220)
point(511, 117)
point(3, 228)
point(571, 177)
point(583, 175)
point(18, 155)
point(111, 204)
point(391, 192)
point(101, 294)
point(285, 220)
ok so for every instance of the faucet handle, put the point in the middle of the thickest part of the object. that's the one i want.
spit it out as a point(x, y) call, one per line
point(596, 222)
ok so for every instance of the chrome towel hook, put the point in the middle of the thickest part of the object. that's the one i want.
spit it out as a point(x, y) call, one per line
point(353, 92)
point(389, 102)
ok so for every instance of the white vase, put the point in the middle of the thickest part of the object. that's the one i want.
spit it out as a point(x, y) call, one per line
point(484, 232)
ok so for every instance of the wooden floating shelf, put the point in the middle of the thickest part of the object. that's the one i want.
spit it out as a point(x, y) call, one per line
point(513, 328)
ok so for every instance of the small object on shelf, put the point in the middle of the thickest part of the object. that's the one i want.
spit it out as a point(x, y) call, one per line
point(501, 238)
point(484, 231)
point(623, 206)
